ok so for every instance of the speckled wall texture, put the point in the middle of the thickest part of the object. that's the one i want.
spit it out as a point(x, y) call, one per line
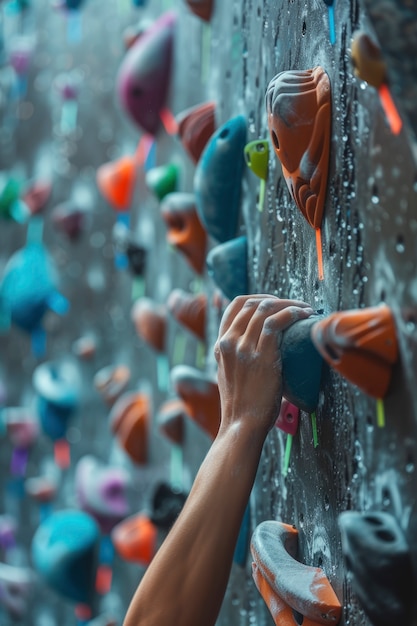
point(368, 231)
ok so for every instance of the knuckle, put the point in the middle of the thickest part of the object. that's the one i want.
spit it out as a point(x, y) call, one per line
point(293, 311)
point(225, 345)
point(240, 300)
point(244, 351)
point(266, 305)
point(271, 325)
point(296, 313)
point(250, 303)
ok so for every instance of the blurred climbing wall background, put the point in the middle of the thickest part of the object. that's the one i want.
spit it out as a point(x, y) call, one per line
point(369, 257)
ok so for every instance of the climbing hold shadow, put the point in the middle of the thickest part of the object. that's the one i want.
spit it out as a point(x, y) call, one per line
point(378, 561)
point(218, 180)
point(294, 593)
point(361, 345)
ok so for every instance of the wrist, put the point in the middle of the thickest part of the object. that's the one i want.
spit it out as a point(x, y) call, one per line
point(243, 431)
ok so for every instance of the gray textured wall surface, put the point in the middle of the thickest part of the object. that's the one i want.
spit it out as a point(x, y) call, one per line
point(369, 252)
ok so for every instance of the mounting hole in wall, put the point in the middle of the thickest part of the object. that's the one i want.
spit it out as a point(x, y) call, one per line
point(386, 496)
point(385, 535)
point(373, 520)
point(299, 618)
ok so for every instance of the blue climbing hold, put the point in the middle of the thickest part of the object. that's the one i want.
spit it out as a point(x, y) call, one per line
point(65, 553)
point(301, 365)
point(28, 289)
point(218, 179)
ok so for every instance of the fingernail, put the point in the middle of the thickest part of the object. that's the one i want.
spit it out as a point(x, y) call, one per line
point(308, 311)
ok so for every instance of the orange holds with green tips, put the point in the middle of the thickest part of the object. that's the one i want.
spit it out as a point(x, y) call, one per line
point(361, 345)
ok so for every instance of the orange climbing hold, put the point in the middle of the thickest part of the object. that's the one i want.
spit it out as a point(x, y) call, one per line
point(129, 421)
point(370, 66)
point(135, 539)
point(184, 228)
point(289, 587)
point(195, 127)
point(150, 321)
point(201, 8)
point(189, 310)
point(170, 420)
point(200, 395)
point(299, 119)
point(116, 181)
point(361, 345)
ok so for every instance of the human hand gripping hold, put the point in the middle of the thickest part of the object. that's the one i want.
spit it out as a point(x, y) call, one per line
point(249, 359)
point(186, 581)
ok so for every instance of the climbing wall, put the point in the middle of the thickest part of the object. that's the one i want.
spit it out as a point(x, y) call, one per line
point(343, 457)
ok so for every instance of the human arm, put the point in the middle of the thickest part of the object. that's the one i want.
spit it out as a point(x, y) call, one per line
point(186, 581)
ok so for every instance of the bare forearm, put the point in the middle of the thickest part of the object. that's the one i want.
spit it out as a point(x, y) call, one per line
point(185, 582)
